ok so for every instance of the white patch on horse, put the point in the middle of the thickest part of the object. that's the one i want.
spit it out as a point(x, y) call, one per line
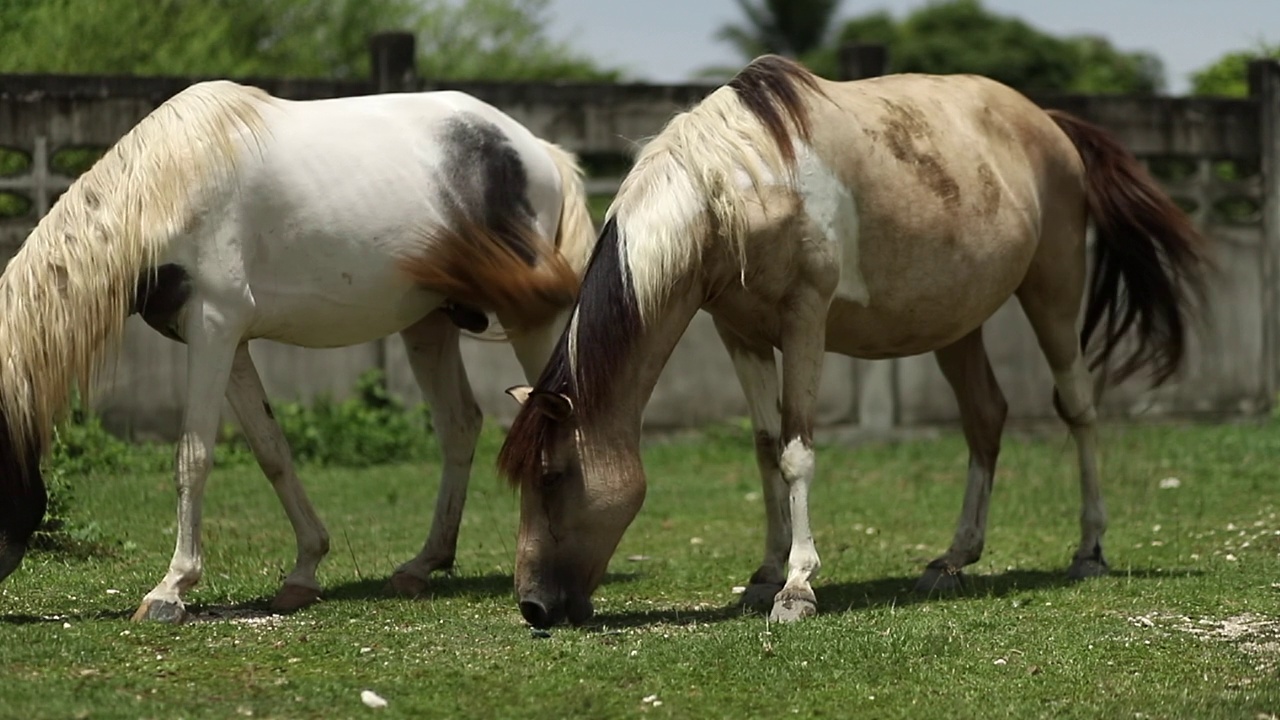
point(796, 462)
point(830, 206)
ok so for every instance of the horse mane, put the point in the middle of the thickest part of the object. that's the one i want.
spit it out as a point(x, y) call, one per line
point(65, 295)
point(686, 188)
point(683, 192)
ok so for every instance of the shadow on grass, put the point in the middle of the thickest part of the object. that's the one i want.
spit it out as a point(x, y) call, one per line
point(474, 587)
point(444, 585)
point(21, 619)
point(899, 591)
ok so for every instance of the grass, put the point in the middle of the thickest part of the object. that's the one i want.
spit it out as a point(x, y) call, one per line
point(1147, 642)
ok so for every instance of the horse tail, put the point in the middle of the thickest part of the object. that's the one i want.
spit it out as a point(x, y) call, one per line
point(1149, 260)
point(576, 233)
point(501, 265)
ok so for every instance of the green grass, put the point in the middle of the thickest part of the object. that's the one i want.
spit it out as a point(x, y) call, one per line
point(1020, 643)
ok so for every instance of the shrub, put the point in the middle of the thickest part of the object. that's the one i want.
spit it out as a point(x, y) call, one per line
point(369, 428)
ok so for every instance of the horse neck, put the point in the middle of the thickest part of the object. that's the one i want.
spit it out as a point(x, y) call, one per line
point(620, 417)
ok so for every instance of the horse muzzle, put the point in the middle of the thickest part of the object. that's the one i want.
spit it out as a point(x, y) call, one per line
point(11, 555)
point(541, 614)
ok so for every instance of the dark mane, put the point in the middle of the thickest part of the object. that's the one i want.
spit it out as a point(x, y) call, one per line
point(772, 89)
point(606, 321)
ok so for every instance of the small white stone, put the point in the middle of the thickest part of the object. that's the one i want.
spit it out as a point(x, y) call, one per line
point(1001, 661)
point(1170, 483)
point(372, 699)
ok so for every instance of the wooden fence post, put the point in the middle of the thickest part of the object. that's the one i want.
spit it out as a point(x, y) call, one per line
point(394, 65)
point(394, 68)
point(862, 60)
point(1264, 87)
point(876, 381)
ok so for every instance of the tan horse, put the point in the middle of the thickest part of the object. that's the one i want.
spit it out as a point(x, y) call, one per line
point(879, 218)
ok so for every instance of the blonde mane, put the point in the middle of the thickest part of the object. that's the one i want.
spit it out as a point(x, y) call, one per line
point(66, 294)
point(691, 184)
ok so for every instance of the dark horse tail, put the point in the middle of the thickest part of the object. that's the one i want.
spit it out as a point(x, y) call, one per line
point(1149, 260)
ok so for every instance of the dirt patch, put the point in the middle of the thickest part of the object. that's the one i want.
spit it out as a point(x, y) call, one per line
point(1255, 635)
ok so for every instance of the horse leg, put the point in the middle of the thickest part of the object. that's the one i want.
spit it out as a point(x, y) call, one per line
point(1053, 318)
point(211, 349)
point(267, 441)
point(436, 360)
point(982, 414)
point(758, 374)
point(803, 344)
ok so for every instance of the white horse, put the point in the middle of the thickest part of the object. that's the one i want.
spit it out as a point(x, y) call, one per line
point(226, 215)
point(876, 219)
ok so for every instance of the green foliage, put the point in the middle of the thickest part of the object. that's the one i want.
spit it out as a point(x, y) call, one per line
point(82, 447)
point(963, 36)
point(13, 205)
point(958, 36)
point(1229, 74)
point(782, 27)
point(292, 38)
point(795, 28)
point(75, 161)
point(507, 39)
point(369, 428)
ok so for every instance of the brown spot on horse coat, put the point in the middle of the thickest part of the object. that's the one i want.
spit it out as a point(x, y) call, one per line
point(990, 191)
point(906, 134)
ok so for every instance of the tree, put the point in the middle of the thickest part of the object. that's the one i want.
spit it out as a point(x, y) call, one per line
point(1229, 74)
point(962, 36)
point(298, 38)
point(793, 28)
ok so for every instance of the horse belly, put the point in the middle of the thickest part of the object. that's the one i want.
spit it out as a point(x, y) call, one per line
point(916, 295)
point(334, 296)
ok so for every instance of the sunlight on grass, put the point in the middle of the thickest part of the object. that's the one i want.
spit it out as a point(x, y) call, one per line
point(1184, 627)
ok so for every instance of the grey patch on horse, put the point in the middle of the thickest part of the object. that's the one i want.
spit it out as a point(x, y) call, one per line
point(160, 296)
point(466, 317)
point(486, 179)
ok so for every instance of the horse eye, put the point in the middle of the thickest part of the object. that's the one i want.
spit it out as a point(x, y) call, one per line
point(551, 478)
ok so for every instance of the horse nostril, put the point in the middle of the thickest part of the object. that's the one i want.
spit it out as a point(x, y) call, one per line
point(535, 613)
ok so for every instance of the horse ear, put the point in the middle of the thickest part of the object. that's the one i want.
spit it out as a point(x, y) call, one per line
point(557, 406)
point(520, 392)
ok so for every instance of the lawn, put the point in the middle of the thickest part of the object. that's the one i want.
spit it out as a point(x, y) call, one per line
point(1185, 627)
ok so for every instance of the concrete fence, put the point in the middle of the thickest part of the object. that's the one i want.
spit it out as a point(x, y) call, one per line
point(1218, 157)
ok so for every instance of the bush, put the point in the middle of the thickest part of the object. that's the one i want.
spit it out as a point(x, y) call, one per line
point(369, 428)
point(81, 446)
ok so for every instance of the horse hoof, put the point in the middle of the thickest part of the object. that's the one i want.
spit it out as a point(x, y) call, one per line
point(406, 585)
point(940, 580)
point(1085, 568)
point(161, 611)
point(789, 607)
point(294, 597)
point(759, 596)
